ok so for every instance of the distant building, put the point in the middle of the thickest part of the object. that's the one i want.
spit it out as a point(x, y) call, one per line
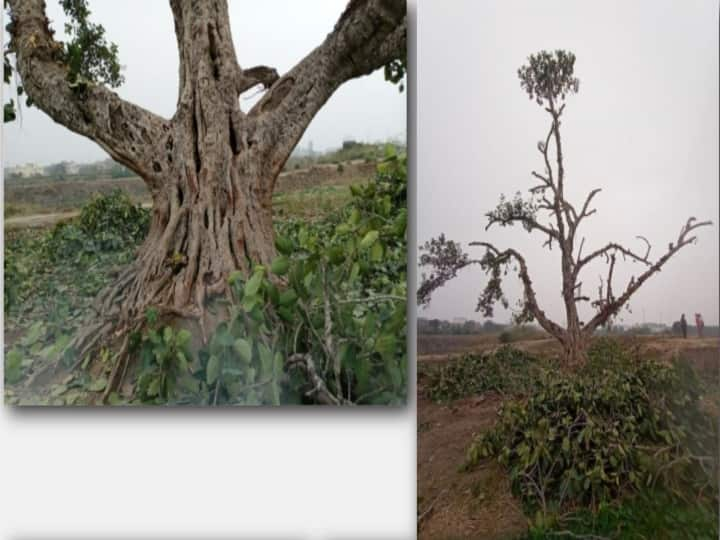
point(29, 170)
point(459, 320)
point(69, 167)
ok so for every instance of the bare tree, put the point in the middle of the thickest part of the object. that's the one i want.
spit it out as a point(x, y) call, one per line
point(548, 79)
point(212, 167)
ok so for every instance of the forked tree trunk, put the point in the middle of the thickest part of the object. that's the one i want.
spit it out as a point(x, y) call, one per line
point(212, 203)
point(211, 169)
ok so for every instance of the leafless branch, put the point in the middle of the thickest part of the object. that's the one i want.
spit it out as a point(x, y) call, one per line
point(319, 389)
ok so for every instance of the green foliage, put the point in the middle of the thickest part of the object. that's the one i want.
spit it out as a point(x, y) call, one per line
point(90, 58)
point(335, 295)
point(51, 277)
point(395, 72)
point(107, 223)
point(549, 76)
point(353, 260)
point(87, 53)
point(617, 426)
point(114, 214)
point(13, 367)
point(650, 514)
point(347, 278)
point(164, 358)
point(506, 370)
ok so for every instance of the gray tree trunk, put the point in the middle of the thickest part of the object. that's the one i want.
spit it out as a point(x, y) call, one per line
point(211, 168)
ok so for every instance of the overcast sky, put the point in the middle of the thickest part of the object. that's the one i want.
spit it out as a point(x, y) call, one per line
point(276, 33)
point(644, 128)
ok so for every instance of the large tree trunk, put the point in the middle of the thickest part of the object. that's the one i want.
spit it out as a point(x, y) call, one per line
point(212, 209)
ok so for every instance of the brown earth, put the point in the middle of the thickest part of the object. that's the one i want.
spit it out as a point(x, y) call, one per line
point(454, 504)
point(60, 197)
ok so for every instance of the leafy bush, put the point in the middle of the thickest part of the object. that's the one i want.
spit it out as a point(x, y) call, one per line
point(617, 426)
point(114, 214)
point(326, 321)
point(164, 357)
point(506, 370)
point(107, 223)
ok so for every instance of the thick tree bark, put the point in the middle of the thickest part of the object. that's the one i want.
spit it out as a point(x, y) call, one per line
point(211, 169)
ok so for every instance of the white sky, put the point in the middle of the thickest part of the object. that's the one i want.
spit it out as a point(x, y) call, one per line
point(644, 127)
point(276, 33)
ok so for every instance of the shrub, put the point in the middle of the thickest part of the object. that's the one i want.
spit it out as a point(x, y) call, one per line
point(335, 298)
point(107, 223)
point(114, 214)
point(615, 427)
point(164, 358)
point(506, 370)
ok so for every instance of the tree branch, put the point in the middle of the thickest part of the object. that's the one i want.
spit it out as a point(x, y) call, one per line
point(129, 133)
point(368, 35)
point(531, 305)
point(612, 305)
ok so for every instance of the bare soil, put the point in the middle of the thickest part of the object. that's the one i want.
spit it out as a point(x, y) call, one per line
point(479, 504)
point(44, 203)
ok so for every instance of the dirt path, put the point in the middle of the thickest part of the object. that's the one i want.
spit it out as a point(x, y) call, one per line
point(44, 220)
point(455, 504)
point(79, 191)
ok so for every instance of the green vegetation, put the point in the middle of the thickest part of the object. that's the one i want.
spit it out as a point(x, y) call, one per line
point(324, 323)
point(648, 514)
point(326, 199)
point(506, 370)
point(602, 438)
point(350, 151)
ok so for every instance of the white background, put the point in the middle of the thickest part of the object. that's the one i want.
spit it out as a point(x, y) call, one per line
point(299, 473)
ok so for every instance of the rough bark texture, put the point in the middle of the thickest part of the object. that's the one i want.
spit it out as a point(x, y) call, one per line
point(211, 168)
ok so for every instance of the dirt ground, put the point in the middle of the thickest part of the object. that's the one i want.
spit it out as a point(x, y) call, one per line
point(454, 504)
point(42, 203)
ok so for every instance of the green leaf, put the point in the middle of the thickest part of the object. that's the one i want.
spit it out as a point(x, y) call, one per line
point(153, 388)
point(244, 349)
point(13, 366)
point(213, 369)
point(183, 337)
point(253, 284)
point(273, 293)
point(280, 265)
point(223, 337)
point(385, 345)
point(151, 314)
point(369, 239)
point(288, 297)
point(336, 254)
point(235, 277)
point(97, 385)
point(167, 334)
point(376, 252)
point(249, 302)
point(266, 360)
point(284, 245)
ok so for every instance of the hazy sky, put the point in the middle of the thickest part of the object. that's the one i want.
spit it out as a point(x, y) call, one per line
point(276, 33)
point(644, 128)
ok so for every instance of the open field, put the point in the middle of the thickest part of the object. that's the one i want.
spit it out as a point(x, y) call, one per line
point(25, 203)
point(479, 504)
